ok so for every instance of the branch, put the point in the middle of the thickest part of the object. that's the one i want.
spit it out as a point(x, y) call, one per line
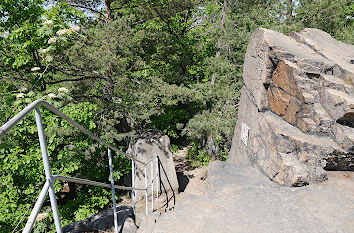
point(315, 14)
point(73, 80)
point(159, 15)
point(39, 77)
point(76, 74)
point(186, 16)
point(78, 71)
point(87, 96)
point(16, 78)
point(86, 7)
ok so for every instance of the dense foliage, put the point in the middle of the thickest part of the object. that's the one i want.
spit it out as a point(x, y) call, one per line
point(120, 68)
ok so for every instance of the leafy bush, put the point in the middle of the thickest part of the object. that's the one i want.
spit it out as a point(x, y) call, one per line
point(198, 156)
point(223, 153)
point(175, 148)
point(71, 153)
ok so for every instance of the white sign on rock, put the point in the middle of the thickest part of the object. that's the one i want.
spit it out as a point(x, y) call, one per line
point(244, 133)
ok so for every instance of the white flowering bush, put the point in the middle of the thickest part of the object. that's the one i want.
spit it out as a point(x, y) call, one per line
point(48, 23)
point(75, 28)
point(20, 96)
point(64, 31)
point(63, 89)
point(52, 40)
point(59, 38)
point(68, 31)
point(35, 69)
point(52, 95)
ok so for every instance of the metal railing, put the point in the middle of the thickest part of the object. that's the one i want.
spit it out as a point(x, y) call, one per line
point(49, 187)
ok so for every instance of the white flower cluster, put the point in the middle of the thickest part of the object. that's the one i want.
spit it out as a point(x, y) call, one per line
point(35, 69)
point(48, 23)
point(63, 32)
point(44, 51)
point(52, 95)
point(75, 28)
point(52, 40)
point(20, 96)
point(63, 89)
point(68, 30)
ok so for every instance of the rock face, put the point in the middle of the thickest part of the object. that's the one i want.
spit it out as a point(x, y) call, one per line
point(104, 220)
point(144, 149)
point(296, 113)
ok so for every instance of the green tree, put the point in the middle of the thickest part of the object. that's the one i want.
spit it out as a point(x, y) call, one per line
point(334, 17)
point(124, 67)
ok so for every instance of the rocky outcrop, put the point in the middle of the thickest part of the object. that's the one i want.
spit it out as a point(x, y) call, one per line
point(104, 221)
point(296, 113)
point(240, 199)
point(144, 149)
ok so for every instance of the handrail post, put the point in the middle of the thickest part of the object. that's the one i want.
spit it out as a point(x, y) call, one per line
point(152, 185)
point(47, 170)
point(37, 207)
point(133, 185)
point(113, 192)
point(146, 191)
point(157, 176)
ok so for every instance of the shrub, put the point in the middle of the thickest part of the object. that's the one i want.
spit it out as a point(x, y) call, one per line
point(198, 156)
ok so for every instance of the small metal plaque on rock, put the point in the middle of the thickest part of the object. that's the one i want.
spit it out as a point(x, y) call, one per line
point(244, 133)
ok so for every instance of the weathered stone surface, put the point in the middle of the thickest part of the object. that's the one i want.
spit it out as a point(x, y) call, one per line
point(296, 112)
point(104, 221)
point(241, 199)
point(144, 149)
point(283, 104)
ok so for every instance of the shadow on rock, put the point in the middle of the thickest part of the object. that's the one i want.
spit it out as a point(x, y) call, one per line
point(104, 221)
point(183, 181)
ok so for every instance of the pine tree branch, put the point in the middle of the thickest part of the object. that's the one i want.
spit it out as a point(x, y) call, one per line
point(87, 96)
point(86, 7)
point(74, 80)
point(17, 78)
point(315, 14)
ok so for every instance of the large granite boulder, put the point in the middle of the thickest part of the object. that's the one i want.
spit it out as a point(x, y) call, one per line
point(296, 113)
point(144, 149)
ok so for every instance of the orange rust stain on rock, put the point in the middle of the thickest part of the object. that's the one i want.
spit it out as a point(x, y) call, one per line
point(283, 104)
point(284, 95)
point(283, 77)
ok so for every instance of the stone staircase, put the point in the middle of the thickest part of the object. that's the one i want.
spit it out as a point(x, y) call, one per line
point(241, 199)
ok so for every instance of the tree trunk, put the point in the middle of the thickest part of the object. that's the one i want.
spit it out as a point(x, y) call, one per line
point(108, 11)
point(109, 69)
point(223, 19)
point(289, 11)
point(213, 77)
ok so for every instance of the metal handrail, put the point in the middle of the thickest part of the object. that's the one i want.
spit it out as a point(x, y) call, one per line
point(90, 182)
point(151, 181)
point(14, 121)
point(49, 187)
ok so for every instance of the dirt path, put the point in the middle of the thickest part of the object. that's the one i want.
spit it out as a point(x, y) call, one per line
point(191, 180)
